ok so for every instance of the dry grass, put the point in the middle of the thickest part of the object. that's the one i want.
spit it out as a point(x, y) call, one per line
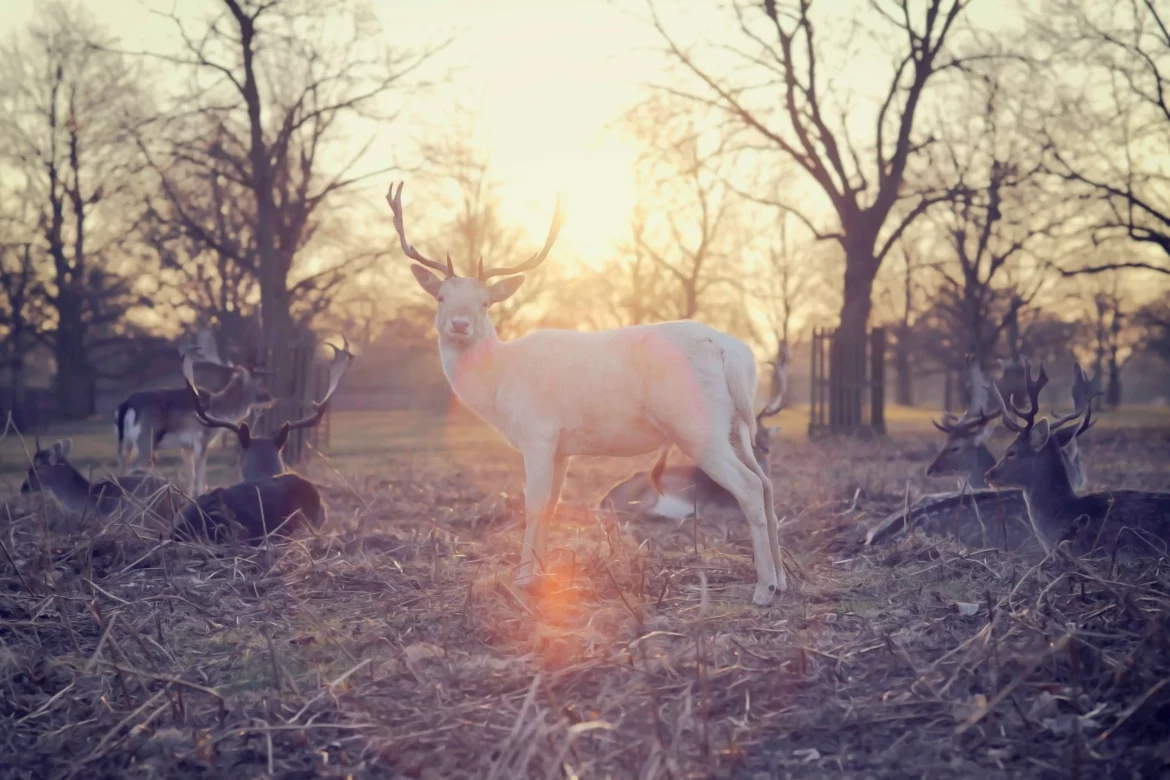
point(395, 644)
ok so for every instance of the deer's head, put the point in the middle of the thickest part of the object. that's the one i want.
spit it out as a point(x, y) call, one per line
point(461, 317)
point(959, 455)
point(1039, 453)
point(50, 467)
point(261, 456)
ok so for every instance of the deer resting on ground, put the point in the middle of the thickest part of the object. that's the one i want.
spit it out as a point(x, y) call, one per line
point(679, 492)
point(998, 518)
point(52, 473)
point(150, 420)
point(270, 500)
point(1130, 524)
point(554, 394)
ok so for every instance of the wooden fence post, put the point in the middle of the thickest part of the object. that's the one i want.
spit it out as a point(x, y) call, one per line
point(877, 381)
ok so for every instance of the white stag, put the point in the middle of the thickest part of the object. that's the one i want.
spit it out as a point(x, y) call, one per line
point(629, 391)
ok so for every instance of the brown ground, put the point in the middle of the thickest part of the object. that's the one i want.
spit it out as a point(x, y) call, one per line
point(394, 645)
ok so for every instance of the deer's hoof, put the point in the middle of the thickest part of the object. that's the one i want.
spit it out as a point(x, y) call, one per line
point(763, 595)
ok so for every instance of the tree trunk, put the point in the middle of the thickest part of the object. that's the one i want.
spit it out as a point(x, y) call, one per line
point(76, 382)
point(847, 366)
point(904, 389)
point(1113, 393)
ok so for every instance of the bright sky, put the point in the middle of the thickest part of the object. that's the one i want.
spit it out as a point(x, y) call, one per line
point(546, 76)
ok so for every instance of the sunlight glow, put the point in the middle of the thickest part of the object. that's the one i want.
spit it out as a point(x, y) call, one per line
point(596, 185)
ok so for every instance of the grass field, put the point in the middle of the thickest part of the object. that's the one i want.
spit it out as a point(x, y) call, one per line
point(393, 644)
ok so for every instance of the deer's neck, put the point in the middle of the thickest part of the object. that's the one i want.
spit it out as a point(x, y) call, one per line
point(1050, 498)
point(984, 460)
point(473, 370)
point(230, 403)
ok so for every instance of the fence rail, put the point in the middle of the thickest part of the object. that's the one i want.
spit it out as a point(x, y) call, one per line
point(848, 379)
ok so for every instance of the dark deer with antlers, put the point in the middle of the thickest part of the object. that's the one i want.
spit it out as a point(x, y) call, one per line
point(997, 518)
point(151, 420)
point(260, 456)
point(1128, 523)
point(270, 500)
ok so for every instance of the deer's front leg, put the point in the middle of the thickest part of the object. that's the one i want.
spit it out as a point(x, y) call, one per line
point(560, 468)
point(539, 472)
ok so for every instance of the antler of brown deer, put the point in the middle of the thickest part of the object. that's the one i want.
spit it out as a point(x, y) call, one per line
point(242, 431)
point(394, 198)
point(977, 414)
point(342, 358)
point(534, 261)
point(1033, 387)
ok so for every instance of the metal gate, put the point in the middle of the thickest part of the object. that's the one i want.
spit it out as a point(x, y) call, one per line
point(848, 393)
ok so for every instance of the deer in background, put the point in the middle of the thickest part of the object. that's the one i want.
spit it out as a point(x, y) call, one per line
point(555, 394)
point(151, 420)
point(52, 473)
point(261, 456)
point(270, 499)
point(965, 453)
point(1127, 523)
point(678, 492)
point(982, 517)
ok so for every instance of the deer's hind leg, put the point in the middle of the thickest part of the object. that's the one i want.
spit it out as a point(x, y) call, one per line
point(743, 449)
point(719, 461)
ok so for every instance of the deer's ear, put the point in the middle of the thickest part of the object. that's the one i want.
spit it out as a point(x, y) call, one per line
point(1038, 436)
point(427, 280)
point(245, 436)
point(61, 450)
point(505, 288)
point(281, 437)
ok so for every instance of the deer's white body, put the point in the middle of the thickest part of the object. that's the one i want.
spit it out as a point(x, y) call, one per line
point(615, 392)
point(554, 394)
point(557, 393)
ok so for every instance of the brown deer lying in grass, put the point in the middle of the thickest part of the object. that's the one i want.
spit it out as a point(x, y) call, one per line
point(679, 492)
point(270, 500)
point(52, 473)
point(997, 518)
point(1130, 524)
point(150, 420)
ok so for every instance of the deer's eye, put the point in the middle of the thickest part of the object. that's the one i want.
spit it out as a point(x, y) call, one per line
point(485, 305)
point(439, 298)
point(1010, 454)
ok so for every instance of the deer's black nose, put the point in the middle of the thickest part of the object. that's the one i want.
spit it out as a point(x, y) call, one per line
point(25, 489)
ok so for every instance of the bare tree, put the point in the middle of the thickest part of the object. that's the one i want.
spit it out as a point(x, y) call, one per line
point(62, 131)
point(800, 119)
point(22, 315)
point(280, 85)
point(1115, 333)
point(686, 225)
point(1113, 157)
point(906, 311)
